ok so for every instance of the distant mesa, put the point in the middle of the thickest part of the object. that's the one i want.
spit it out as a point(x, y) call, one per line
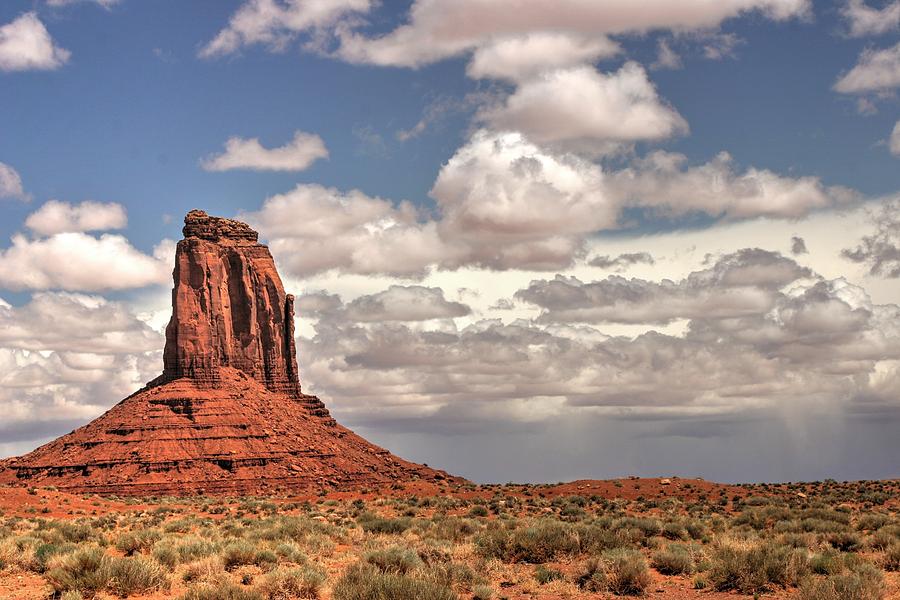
point(227, 415)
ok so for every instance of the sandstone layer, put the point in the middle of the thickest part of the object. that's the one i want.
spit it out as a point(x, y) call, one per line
point(227, 415)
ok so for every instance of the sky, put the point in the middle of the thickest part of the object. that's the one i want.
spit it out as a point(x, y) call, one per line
point(530, 241)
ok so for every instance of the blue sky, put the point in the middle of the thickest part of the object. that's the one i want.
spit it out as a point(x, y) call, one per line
point(802, 96)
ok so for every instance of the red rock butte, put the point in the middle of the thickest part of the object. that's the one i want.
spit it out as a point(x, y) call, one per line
point(227, 415)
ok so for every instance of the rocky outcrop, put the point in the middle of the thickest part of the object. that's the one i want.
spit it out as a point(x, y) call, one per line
point(227, 415)
point(229, 308)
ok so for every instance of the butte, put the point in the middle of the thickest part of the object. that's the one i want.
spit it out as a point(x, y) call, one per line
point(227, 415)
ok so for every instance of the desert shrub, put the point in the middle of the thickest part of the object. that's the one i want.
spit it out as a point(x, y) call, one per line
point(675, 531)
point(892, 558)
point(859, 584)
point(220, 590)
point(676, 559)
point(45, 552)
point(752, 567)
point(131, 575)
point(539, 542)
point(544, 575)
point(80, 571)
point(482, 592)
point(75, 532)
point(286, 584)
point(165, 554)
point(621, 571)
point(478, 510)
point(291, 552)
point(204, 569)
point(191, 548)
point(845, 541)
point(452, 529)
point(374, 524)
point(71, 595)
point(395, 559)
point(828, 562)
point(448, 574)
point(137, 541)
point(365, 582)
point(626, 572)
point(594, 538)
point(872, 521)
point(242, 553)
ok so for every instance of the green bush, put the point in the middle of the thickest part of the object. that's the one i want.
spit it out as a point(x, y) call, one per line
point(540, 542)
point(221, 590)
point(544, 575)
point(861, 584)
point(137, 541)
point(756, 567)
point(395, 559)
point(621, 571)
point(244, 553)
point(676, 559)
point(80, 571)
point(365, 582)
point(286, 584)
point(133, 575)
point(375, 524)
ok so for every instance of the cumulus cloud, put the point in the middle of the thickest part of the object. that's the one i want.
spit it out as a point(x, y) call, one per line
point(65, 358)
point(880, 251)
point(744, 283)
point(865, 20)
point(240, 153)
point(275, 23)
point(314, 229)
point(583, 109)
point(798, 246)
point(894, 143)
point(79, 262)
point(522, 57)
point(503, 202)
point(11, 183)
point(437, 30)
point(103, 3)
point(26, 45)
point(623, 261)
point(62, 217)
point(84, 327)
point(875, 71)
point(762, 333)
point(404, 303)
point(664, 182)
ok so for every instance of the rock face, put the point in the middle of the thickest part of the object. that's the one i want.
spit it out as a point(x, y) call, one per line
point(229, 308)
point(227, 415)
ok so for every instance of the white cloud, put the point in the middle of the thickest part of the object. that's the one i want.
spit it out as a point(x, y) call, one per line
point(314, 229)
point(26, 45)
point(895, 140)
point(11, 183)
point(875, 71)
point(404, 303)
point(503, 202)
point(103, 3)
point(77, 261)
point(666, 57)
point(240, 153)
point(275, 23)
point(663, 182)
point(582, 109)
point(61, 217)
point(437, 30)
point(521, 57)
point(865, 20)
point(75, 323)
